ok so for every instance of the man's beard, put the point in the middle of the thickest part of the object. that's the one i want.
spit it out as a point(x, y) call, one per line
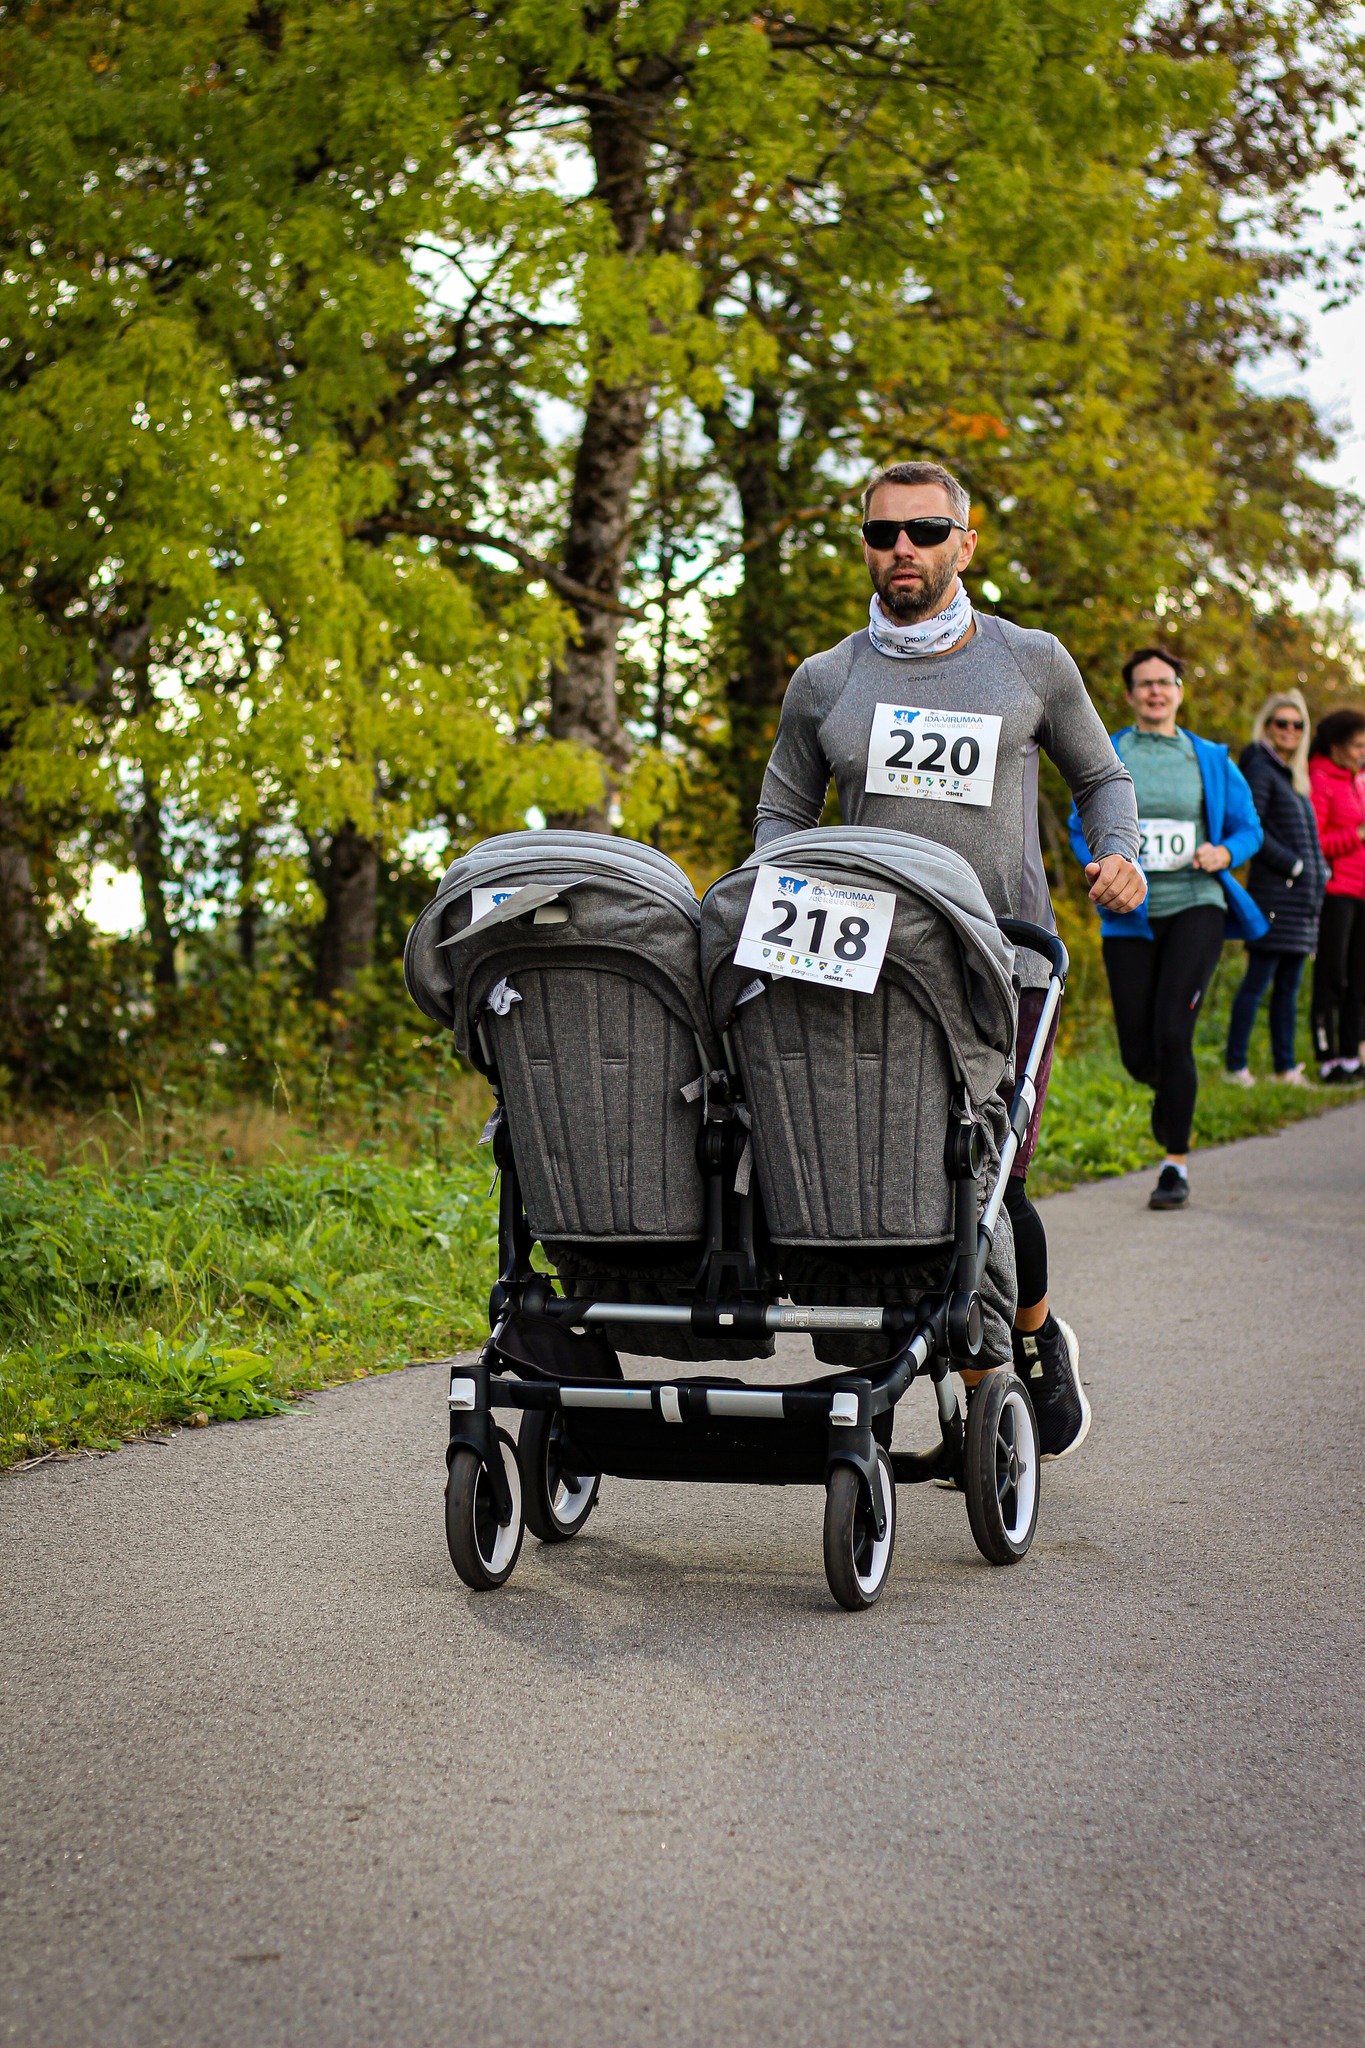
point(906, 605)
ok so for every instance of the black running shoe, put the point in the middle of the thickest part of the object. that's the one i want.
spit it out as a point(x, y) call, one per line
point(1172, 1190)
point(1048, 1361)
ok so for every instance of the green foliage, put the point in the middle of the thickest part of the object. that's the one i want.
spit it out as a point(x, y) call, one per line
point(134, 1293)
point(309, 315)
point(209, 315)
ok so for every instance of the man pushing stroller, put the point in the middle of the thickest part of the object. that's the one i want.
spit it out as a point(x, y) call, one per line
point(930, 721)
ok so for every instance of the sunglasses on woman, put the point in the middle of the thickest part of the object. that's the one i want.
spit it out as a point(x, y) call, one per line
point(1288, 724)
point(880, 534)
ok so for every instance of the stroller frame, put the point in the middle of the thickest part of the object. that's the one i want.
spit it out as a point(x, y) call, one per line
point(577, 1428)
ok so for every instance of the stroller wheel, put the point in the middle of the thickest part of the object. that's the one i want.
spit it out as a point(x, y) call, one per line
point(558, 1503)
point(856, 1563)
point(482, 1549)
point(1001, 1468)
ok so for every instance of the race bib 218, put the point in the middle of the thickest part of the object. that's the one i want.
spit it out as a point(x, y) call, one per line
point(948, 756)
point(808, 930)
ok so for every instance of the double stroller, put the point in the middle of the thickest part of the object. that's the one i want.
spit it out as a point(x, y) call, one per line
point(789, 1107)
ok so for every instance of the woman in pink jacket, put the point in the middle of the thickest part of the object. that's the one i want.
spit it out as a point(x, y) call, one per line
point(1335, 763)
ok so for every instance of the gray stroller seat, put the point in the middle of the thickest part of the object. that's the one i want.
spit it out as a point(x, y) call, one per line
point(850, 1094)
point(580, 997)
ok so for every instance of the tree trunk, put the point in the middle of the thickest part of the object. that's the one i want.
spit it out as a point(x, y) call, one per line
point(246, 899)
point(347, 873)
point(597, 539)
point(584, 704)
point(23, 940)
point(149, 853)
point(759, 678)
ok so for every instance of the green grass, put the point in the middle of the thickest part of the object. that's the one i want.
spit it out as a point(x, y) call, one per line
point(1097, 1121)
point(175, 1277)
point(135, 1296)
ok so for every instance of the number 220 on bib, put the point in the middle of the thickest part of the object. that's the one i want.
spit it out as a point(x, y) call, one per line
point(946, 756)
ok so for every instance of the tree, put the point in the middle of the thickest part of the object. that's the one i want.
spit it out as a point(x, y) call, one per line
point(207, 215)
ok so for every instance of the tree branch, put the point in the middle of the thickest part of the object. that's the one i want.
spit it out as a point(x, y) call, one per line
point(578, 594)
point(767, 533)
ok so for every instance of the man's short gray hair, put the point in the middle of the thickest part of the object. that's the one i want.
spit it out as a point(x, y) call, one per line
point(924, 473)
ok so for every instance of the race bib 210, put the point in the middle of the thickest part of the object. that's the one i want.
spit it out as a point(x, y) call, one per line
point(1165, 844)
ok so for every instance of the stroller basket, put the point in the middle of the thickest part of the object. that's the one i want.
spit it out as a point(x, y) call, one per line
point(826, 1159)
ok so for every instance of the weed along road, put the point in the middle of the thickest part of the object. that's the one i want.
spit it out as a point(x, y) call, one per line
point(272, 1776)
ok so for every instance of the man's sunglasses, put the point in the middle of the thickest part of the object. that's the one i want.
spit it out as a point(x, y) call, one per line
point(1288, 724)
point(880, 534)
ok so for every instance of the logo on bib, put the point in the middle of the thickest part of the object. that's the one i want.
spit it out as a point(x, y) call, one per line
point(793, 884)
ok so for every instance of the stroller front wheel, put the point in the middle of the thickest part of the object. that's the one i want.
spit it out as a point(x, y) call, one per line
point(1001, 1468)
point(558, 1502)
point(856, 1560)
point(482, 1549)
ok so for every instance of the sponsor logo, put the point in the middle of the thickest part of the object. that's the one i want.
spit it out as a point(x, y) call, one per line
point(906, 717)
point(793, 884)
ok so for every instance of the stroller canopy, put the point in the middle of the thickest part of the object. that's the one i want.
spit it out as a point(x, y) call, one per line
point(935, 888)
point(580, 995)
point(628, 907)
point(849, 1091)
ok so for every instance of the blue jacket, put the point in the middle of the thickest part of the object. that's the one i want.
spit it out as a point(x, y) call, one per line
point(1233, 822)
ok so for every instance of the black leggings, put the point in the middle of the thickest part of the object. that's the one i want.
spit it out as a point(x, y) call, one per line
point(1339, 978)
point(1030, 1243)
point(1158, 986)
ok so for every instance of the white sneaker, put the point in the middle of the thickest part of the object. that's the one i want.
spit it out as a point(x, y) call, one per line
point(1243, 1076)
point(1293, 1077)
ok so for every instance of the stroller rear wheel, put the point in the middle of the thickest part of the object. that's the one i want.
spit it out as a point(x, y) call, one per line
point(558, 1503)
point(856, 1562)
point(1001, 1468)
point(482, 1549)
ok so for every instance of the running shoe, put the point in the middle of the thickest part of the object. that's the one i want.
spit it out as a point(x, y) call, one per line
point(1048, 1361)
point(1343, 1074)
point(1293, 1077)
point(1243, 1076)
point(1172, 1190)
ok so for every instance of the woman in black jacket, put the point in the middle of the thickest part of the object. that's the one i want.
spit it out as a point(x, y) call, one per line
point(1287, 880)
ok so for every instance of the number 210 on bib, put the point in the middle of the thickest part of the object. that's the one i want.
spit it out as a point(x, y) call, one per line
point(946, 756)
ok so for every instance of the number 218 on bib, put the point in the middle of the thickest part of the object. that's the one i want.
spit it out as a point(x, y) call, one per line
point(808, 930)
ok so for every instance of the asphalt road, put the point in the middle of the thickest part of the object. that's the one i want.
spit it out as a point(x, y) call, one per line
point(270, 1775)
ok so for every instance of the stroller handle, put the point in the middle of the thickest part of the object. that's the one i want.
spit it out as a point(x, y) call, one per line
point(1034, 939)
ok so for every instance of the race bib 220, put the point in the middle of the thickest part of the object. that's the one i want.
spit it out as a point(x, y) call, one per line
point(947, 756)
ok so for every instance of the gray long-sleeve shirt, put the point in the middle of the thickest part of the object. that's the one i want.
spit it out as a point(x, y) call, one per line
point(967, 778)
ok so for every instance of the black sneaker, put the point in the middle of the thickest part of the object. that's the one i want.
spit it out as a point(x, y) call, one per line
point(1048, 1361)
point(1343, 1076)
point(1172, 1190)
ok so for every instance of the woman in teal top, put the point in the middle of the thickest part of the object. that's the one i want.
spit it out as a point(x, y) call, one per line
point(1160, 960)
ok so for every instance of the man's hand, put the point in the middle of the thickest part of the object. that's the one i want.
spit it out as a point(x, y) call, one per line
point(1208, 858)
point(1116, 883)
